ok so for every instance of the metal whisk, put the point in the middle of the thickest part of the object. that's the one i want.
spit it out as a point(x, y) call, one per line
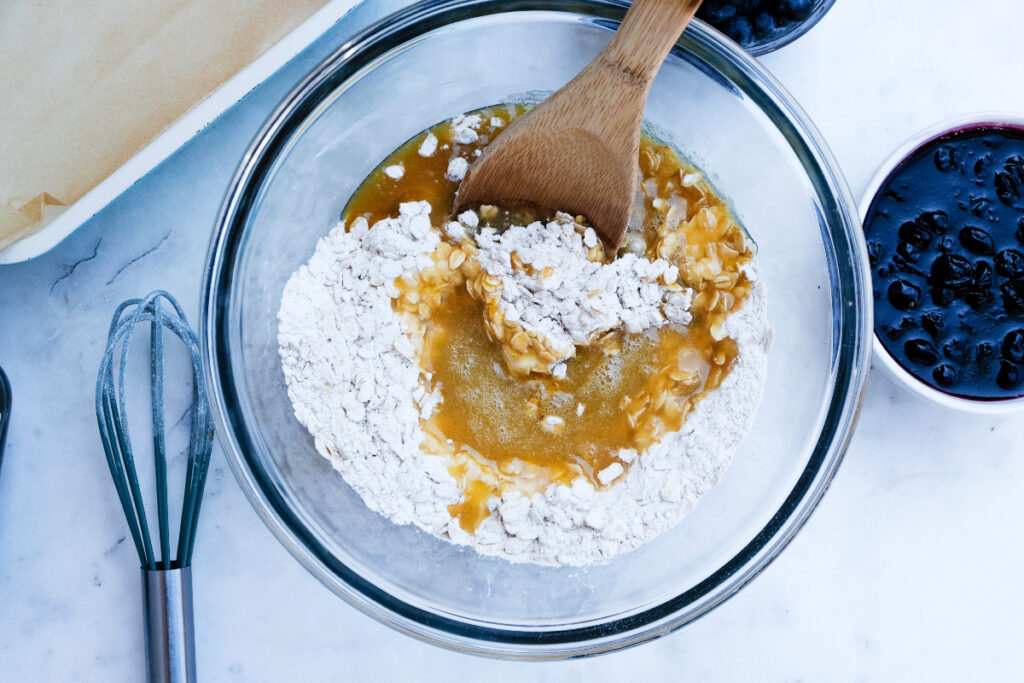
point(166, 578)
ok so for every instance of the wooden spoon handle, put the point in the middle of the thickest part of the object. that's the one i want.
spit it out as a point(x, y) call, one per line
point(647, 34)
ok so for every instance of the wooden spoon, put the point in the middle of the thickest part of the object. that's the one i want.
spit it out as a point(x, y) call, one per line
point(577, 150)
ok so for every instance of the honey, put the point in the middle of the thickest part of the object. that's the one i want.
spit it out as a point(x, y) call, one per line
point(505, 425)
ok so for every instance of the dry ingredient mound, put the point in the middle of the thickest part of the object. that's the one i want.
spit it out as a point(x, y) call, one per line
point(354, 382)
point(553, 283)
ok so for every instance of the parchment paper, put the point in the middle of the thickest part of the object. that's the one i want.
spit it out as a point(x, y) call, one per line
point(86, 84)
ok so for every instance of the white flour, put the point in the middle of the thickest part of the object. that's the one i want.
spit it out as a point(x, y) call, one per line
point(428, 146)
point(464, 128)
point(351, 371)
point(457, 169)
point(569, 299)
point(355, 384)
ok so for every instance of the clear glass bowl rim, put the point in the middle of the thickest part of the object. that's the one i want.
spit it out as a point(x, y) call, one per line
point(851, 341)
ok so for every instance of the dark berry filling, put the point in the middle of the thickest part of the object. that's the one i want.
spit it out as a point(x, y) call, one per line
point(946, 243)
point(756, 22)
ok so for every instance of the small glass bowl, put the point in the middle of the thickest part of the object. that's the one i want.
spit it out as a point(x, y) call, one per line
point(892, 367)
point(792, 32)
point(721, 110)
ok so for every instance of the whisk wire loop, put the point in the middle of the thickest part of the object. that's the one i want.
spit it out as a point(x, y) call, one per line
point(161, 311)
point(156, 355)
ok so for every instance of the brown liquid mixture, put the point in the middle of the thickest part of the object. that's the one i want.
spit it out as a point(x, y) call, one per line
point(481, 414)
point(620, 392)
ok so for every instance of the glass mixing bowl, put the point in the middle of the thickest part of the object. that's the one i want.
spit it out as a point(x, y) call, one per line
point(724, 112)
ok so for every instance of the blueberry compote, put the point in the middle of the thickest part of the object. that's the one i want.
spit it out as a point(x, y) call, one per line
point(755, 22)
point(945, 237)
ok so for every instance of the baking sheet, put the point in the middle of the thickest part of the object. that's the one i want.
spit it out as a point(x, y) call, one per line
point(91, 84)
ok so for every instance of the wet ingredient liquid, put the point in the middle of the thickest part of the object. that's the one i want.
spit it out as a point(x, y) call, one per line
point(620, 392)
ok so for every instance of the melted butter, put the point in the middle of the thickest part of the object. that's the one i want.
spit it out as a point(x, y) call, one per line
point(501, 416)
point(503, 430)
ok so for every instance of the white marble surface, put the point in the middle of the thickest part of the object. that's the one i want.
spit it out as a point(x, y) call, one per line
point(909, 570)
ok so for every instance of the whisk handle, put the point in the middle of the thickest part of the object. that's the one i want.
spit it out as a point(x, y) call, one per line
point(170, 644)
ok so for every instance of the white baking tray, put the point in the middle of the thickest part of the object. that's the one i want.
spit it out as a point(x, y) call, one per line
point(180, 132)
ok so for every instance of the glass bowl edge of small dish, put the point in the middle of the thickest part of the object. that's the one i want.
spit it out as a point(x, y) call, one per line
point(802, 28)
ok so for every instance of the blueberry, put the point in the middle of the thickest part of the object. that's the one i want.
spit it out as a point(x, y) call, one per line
point(982, 278)
point(1009, 375)
point(764, 25)
point(956, 350)
point(945, 158)
point(983, 351)
point(1020, 230)
point(904, 295)
point(1013, 295)
point(921, 351)
point(1010, 263)
point(977, 241)
point(979, 298)
point(912, 233)
point(944, 375)
point(739, 29)
point(797, 10)
point(1015, 165)
point(717, 12)
point(1007, 187)
point(952, 272)
point(936, 221)
point(932, 324)
point(909, 252)
point(1013, 346)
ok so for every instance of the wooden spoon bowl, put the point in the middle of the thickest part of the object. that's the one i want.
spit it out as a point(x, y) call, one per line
point(577, 150)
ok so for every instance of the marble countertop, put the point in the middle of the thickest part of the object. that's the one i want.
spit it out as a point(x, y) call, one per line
point(909, 569)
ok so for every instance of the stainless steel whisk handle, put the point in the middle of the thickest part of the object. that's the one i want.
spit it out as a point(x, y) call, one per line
point(170, 644)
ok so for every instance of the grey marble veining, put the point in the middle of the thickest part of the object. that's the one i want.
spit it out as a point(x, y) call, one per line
point(908, 570)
